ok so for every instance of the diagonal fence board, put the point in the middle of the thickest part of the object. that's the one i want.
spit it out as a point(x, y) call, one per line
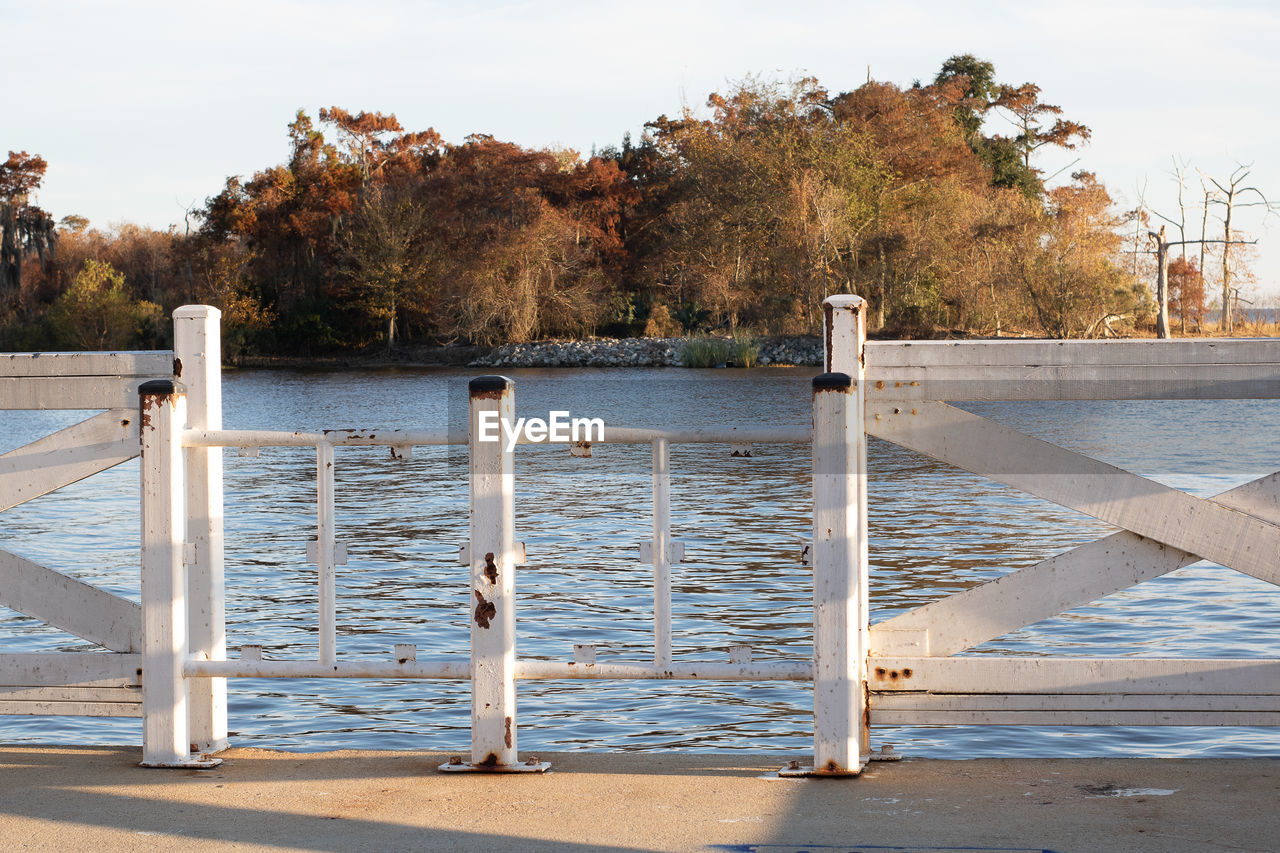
point(69, 604)
point(1060, 583)
point(1226, 536)
point(68, 456)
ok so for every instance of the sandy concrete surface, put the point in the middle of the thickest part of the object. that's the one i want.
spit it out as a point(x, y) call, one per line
point(97, 799)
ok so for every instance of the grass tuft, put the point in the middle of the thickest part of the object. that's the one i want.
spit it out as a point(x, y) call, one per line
point(706, 351)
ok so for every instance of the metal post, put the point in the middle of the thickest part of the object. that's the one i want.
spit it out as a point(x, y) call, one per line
point(840, 625)
point(326, 557)
point(661, 552)
point(165, 729)
point(492, 599)
point(198, 365)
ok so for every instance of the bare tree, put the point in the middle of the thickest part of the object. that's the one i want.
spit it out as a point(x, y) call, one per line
point(1229, 197)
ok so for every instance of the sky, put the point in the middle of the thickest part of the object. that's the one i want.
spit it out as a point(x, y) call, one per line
point(144, 109)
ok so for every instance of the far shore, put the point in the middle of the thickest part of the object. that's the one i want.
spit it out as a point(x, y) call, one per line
point(591, 352)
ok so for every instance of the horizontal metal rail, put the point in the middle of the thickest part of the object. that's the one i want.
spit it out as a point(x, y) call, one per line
point(525, 669)
point(440, 437)
point(455, 669)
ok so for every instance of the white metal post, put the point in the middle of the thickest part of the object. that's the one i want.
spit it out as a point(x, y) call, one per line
point(197, 365)
point(492, 594)
point(326, 557)
point(661, 552)
point(165, 730)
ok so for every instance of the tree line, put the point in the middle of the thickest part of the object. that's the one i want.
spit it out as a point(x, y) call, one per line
point(741, 217)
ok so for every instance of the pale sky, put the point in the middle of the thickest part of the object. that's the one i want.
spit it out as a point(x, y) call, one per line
point(144, 109)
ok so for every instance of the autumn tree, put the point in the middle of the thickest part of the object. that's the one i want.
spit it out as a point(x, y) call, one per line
point(385, 256)
point(770, 196)
point(1068, 263)
point(25, 229)
point(530, 236)
point(377, 143)
point(1187, 292)
point(1029, 115)
point(1008, 157)
point(97, 312)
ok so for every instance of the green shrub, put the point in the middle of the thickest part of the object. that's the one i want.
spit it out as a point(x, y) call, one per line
point(705, 351)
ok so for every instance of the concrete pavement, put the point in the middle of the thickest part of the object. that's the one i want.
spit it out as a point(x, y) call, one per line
point(97, 799)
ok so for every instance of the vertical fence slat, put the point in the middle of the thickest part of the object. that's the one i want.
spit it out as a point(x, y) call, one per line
point(198, 366)
point(326, 558)
point(661, 552)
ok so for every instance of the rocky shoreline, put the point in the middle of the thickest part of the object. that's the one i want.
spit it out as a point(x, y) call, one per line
point(638, 352)
point(596, 352)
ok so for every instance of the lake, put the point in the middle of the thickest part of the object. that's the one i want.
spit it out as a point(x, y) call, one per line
point(933, 530)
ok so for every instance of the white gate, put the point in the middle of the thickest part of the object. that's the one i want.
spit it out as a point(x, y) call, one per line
point(110, 683)
point(913, 673)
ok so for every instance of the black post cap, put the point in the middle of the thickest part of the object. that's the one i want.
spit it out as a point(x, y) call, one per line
point(157, 387)
point(486, 385)
point(832, 382)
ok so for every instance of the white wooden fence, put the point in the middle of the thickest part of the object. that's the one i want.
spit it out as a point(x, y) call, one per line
point(905, 670)
point(107, 683)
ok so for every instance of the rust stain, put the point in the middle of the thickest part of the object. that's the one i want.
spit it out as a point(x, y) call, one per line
point(508, 737)
point(490, 760)
point(177, 370)
point(487, 395)
point(490, 568)
point(829, 321)
point(485, 610)
point(832, 767)
point(879, 384)
point(906, 673)
point(124, 423)
point(881, 672)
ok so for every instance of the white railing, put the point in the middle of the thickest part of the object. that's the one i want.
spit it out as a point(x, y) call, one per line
point(904, 670)
point(493, 667)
